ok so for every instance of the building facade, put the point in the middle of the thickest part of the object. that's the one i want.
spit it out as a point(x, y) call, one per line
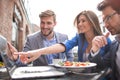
point(14, 22)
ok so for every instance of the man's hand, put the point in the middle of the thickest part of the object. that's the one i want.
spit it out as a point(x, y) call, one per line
point(10, 54)
point(99, 41)
point(27, 57)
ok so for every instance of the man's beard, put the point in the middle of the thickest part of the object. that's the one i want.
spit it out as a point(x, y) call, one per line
point(48, 33)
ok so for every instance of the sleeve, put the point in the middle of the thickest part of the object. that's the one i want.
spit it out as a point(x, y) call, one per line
point(69, 44)
point(27, 46)
point(19, 63)
point(94, 54)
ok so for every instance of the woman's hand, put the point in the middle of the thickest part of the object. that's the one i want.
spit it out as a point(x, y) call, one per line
point(27, 57)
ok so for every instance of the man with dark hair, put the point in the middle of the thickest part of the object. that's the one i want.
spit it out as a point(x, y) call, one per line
point(111, 20)
point(115, 4)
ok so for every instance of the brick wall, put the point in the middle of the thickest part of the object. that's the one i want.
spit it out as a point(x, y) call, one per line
point(6, 19)
point(6, 9)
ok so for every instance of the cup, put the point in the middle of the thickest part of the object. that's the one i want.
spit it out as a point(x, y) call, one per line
point(56, 61)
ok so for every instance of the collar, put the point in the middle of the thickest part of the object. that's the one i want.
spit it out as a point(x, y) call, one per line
point(53, 38)
point(118, 38)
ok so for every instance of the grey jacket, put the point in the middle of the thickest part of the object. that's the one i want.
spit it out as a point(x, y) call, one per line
point(35, 41)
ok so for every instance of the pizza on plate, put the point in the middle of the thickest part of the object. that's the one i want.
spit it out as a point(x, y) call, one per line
point(76, 64)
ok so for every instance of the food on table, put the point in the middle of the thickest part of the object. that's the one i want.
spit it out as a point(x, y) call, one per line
point(77, 64)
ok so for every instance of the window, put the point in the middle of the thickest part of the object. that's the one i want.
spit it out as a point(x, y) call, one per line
point(15, 26)
point(14, 34)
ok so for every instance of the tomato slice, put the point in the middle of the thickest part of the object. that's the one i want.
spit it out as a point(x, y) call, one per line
point(68, 63)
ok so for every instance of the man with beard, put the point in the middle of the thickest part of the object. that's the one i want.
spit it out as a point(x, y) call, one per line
point(44, 38)
point(111, 20)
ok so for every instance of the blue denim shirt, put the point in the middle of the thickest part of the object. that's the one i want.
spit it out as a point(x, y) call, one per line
point(50, 57)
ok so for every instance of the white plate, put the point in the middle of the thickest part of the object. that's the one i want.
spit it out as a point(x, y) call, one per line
point(88, 66)
point(35, 72)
